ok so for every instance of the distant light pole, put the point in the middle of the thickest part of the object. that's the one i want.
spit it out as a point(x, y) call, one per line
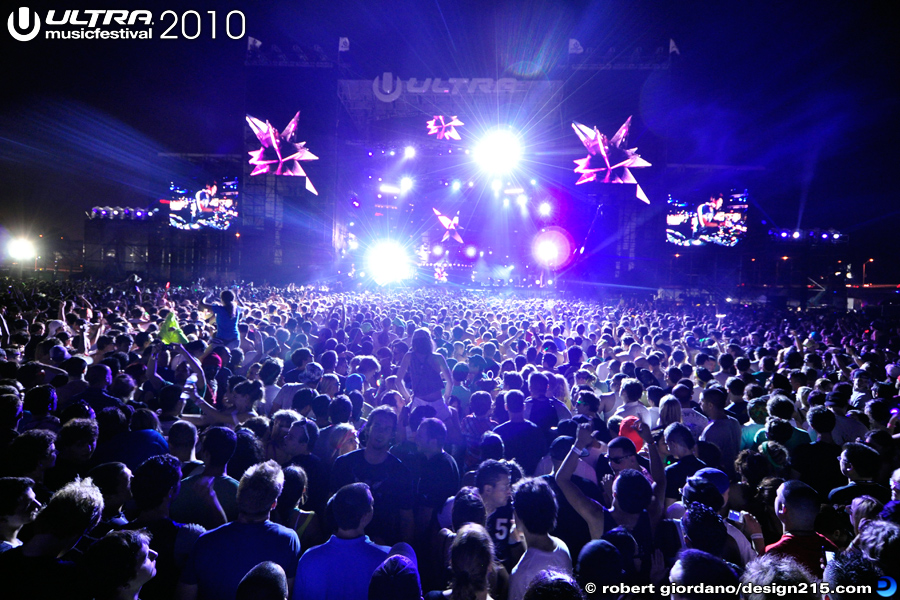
point(864, 270)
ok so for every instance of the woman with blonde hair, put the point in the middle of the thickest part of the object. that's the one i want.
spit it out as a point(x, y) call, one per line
point(669, 411)
point(559, 389)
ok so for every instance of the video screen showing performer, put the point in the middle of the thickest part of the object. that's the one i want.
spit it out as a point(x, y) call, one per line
point(720, 220)
point(214, 206)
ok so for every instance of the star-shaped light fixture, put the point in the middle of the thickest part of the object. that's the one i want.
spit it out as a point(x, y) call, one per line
point(451, 225)
point(280, 153)
point(445, 128)
point(608, 158)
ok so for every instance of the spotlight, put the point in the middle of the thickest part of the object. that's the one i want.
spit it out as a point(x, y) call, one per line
point(392, 153)
point(498, 152)
point(437, 250)
point(471, 251)
point(544, 209)
point(522, 200)
point(352, 243)
point(455, 185)
point(386, 188)
point(795, 235)
point(388, 262)
point(496, 185)
point(409, 152)
point(406, 184)
point(552, 248)
point(836, 236)
point(506, 203)
point(21, 249)
point(784, 234)
point(546, 252)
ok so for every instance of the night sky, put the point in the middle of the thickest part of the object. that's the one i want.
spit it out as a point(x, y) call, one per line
point(805, 90)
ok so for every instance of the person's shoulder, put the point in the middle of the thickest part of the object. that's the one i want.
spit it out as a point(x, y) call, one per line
point(350, 458)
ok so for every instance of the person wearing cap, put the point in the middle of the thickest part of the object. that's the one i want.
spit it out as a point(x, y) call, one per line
point(862, 388)
point(396, 579)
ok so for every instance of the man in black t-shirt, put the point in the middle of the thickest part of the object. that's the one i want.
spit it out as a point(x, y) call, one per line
point(523, 441)
point(493, 483)
point(390, 482)
point(439, 474)
point(680, 441)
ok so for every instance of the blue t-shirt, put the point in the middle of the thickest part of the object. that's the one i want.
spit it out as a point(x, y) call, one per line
point(223, 556)
point(339, 569)
point(226, 325)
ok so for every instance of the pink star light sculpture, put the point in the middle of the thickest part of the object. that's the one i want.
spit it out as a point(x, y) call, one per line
point(608, 158)
point(450, 225)
point(445, 129)
point(280, 153)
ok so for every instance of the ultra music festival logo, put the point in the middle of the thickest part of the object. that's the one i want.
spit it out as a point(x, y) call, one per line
point(26, 25)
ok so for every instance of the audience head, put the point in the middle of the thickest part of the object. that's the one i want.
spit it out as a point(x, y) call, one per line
point(259, 489)
point(265, 581)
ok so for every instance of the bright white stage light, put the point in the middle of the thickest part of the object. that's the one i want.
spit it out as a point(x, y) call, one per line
point(386, 188)
point(388, 262)
point(544, 209)
point(471, 251)
point(455, 185)
point(552, 248)
point(437, 250)
point(546, 252)
point(522, 200)
point(21, 249)
point(406, 184)
point(409, 152)
point(506, 203)
point(498, 152)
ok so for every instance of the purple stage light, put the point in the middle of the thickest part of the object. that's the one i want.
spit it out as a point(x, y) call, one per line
point(544, 209)
point(552, 248)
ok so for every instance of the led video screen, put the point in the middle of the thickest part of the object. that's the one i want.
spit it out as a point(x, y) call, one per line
point(214, 206)
point(720, 220)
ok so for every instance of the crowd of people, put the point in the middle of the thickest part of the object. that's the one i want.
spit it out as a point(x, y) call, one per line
point(257, 442)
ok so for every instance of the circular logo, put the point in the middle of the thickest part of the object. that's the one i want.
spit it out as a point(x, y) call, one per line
point(23, 22)
point(887, 587)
